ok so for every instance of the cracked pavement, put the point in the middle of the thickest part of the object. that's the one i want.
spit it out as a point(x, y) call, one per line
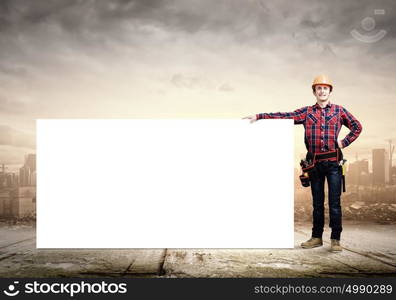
point(369, 251)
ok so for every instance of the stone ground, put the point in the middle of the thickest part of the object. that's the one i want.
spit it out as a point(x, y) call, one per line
point(369, 251)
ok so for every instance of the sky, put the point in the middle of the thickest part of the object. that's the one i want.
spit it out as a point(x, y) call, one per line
point(193, 59)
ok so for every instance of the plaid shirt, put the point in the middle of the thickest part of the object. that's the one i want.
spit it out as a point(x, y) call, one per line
point(322, 125)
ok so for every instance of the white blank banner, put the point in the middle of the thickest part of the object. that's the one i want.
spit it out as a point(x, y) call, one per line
point(164, 184)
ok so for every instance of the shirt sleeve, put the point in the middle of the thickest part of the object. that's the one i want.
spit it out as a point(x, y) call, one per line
point(298, 115)
point(353, 124)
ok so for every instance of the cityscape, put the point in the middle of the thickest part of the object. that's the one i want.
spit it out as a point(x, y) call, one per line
point(370, 189)
point(18, 191)
point(380, 171)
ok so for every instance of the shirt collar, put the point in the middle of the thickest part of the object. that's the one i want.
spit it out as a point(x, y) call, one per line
point(316, 105)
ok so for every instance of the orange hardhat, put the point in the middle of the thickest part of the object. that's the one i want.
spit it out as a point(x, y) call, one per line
point(322, 79)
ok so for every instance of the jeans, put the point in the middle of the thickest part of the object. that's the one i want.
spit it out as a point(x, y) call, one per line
point(333, 172)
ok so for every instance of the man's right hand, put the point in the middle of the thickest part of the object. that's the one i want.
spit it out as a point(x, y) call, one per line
point(252, 118)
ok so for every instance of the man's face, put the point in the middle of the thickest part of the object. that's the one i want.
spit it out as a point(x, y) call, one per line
point(322, 92)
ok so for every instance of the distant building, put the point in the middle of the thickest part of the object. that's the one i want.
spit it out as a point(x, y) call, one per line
point(393, 174)
point(30, 162)
point(27, 173)
point(18, 193)
point(24, 201)
point(18, 202)
point(358, 172)
point(6, 202)
point(8, 180)
point(380, 166)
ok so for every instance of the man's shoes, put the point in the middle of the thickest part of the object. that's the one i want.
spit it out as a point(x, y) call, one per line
point(312, 243)
point(335, 246)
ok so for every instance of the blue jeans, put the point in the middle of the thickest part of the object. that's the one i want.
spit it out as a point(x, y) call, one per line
point(333, 172)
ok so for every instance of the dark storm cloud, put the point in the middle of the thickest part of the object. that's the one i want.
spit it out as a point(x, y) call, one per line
point(89, 24)
point(340, 17)
point(40, 38)
point(224, 15)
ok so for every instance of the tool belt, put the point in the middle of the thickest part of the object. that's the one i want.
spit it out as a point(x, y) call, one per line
point(308, 165)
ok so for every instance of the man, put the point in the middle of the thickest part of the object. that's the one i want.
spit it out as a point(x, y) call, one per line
point(322, 122)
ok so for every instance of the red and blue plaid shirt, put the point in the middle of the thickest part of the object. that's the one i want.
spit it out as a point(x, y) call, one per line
point(322, 125)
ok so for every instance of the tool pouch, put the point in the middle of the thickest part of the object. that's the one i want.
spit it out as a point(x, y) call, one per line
point(304, 180)
point(308, 168)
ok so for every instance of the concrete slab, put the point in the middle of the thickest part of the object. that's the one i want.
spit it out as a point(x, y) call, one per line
point(10, 234)
point(370, 251)
point(297, 262)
